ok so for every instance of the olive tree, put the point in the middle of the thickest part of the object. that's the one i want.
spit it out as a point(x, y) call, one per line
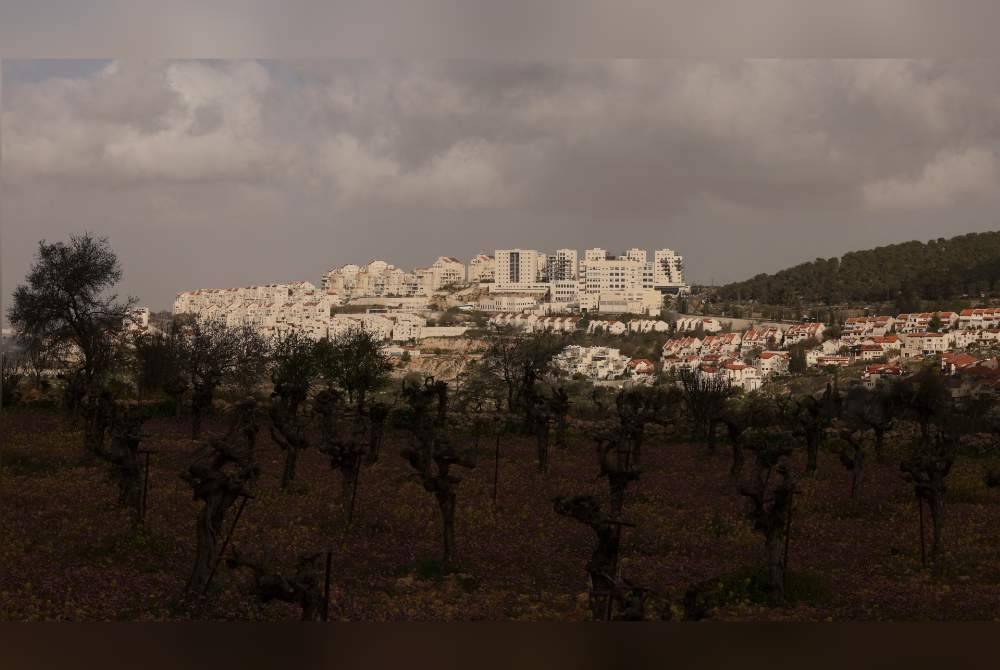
point(67, 299)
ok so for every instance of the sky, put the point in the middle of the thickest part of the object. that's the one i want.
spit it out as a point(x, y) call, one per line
point(232, 172)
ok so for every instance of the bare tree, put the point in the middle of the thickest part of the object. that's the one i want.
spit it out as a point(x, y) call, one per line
point(927, 468)
point(293, 371)
point(222, 473)
point(209, 351)
point(123, 455)
point(770, 506)
point(705, 396)
point(432, 454)
point(345, 448)
point(607, 587)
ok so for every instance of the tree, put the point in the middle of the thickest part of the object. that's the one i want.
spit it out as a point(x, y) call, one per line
point(293, 369)
point(432, 454)
point(157, 362)
point(739, 415)
point(222, 473)
point(809, 418)
point(12, 372)
point(251, 358)
point(770, 505)
point(123, 456)
point(66, 299)
point(927, 468)
point(209, 353)
point(520, 361)
point(797, 359)
point(705, 397)
point(602, 568)
point(344, 448)
point(638, 406)
point(354, 362)
point(934, 325)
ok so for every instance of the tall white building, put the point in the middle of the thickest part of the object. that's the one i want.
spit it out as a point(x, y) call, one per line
point(668, 270)
point(519, 269)
point(563, 265)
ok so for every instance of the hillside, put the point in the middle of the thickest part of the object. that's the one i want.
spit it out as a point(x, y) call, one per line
point(937, 270)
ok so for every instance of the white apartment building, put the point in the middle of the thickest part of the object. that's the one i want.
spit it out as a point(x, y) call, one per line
point(563, 266)
point(801, 332)
point(868, 325)
point(770, 363)
point(482, 268)
point(919, 322)
point(520, 270)
point(979, 318)
point(761, 337)
point(507, 303)
point(690, 324)
point(741, 375)
point(683, 346)
point(668, 271)
point(592, 362)
point(923, 344)
point(376, 278)
point(445, 271)
point(564, 291)
point(407, 326)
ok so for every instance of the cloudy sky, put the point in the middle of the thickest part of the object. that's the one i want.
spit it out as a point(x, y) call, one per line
point(220, 173)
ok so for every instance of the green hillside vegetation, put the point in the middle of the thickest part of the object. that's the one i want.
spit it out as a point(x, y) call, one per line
point(941, 269)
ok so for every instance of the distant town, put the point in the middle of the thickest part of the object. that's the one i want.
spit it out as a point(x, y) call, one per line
point(600, 294)
point(395, 303)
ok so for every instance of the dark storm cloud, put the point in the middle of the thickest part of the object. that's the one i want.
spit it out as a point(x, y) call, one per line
point(231, 172)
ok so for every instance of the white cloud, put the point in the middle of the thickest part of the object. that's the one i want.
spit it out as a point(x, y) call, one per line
point(468, 174)
point(945, 180)
point(177, 122)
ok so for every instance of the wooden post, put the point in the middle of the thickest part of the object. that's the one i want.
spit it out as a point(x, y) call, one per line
point(225, 544)
point(326, 588)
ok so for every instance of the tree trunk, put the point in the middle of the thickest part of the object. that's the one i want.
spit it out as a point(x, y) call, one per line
point(775, 548)
point(349, 474)
point(195, 421)
point(288, 473)
point(637, 448)
point(711, 436)
point(936, 504)
point(446, 501)
point(542, 443)
point(737, 467)
point(209, 527)
point(812, 452)
point(857, 474)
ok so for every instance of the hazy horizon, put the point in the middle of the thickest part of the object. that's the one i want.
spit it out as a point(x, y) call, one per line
point(228, 173)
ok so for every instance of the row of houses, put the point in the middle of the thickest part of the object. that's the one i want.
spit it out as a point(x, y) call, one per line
point(979, 318)
point(603, 363)
point(276, 309)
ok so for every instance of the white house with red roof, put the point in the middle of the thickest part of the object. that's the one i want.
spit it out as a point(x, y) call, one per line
point(771, 363)
point(979, 318)
point(801, 332)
